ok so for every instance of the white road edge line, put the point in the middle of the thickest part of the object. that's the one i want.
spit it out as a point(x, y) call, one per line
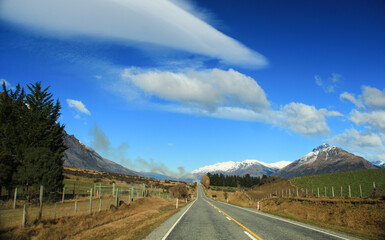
point(177, 221)
point(294, 223)
point(228, 218)
point(249, 235)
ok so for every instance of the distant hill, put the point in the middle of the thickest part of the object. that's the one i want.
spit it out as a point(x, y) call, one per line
point(253, 167)
point(165, 177)
point(324, 159)
point(79, 155)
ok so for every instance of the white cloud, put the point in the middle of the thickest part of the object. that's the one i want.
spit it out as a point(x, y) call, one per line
point(304, 119)
point(373, 97)
point(208, 89)
point(363, 143)
point(221, 94)
point(160, 22)
point(376, 119)
point(357, 140)
point(79, 106)
point(330, 84)
point(353, 99)
point(98, 77)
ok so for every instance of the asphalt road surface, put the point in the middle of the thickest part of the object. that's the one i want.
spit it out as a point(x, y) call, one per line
point(206, 219)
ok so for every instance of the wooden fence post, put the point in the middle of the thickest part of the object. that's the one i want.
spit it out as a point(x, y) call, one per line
point(341, 191)
point(64, 192)
point(318, 191)
point(325, 192)
point(91, 201)
point(113, 189)
point(76, 206)
point(15, 199)
point(350, 192)
point(117, 197)
point(100, 204)
point(176, 203)
point(306, 192)
point(333, 191)
point(100, 190)
point(360, 191)
point(54, 213)
point(41, 202)
point(297, 192)
point(24, 215)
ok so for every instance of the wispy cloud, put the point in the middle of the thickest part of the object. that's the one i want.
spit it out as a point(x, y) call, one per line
point(159, 22)
point(370, 121)
point(101, 143)
point(329, 85)
point(78, 106)
point(357, 140)
point(358, 103)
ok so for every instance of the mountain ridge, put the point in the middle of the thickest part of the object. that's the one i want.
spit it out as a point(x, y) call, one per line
point(79, 155)
point(324, 159)
point(253, 167)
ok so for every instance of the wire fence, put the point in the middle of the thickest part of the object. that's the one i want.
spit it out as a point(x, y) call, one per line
point(330, 191)
point(21, 209)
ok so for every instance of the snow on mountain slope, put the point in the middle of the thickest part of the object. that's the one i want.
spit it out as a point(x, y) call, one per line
point(380, 164)
point(252, 167)
point(313, 155)
point(324, 159)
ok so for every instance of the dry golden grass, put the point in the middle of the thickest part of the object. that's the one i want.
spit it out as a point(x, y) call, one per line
point(365, 218)
point(236, 198)
point(260, 192)
point(133, 221)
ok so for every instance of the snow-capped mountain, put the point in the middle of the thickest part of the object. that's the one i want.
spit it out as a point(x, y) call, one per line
point(253, 167)
point(380, 164)
point(324, 159)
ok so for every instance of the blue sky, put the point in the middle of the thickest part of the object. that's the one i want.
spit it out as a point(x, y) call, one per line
point(167, 84)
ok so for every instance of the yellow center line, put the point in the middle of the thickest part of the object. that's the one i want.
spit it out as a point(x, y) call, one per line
point(255, 235)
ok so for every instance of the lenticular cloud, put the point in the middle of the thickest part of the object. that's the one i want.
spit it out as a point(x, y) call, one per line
point(159, 22)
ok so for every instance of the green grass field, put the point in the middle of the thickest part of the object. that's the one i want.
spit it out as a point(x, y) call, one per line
point(365, 178)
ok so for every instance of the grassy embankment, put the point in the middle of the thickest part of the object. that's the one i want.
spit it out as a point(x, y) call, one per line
point(142, 216)
point(335, 181)
point(359, 217)
point(363, 217)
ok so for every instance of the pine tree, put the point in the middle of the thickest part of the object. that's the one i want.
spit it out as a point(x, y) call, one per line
point(12, 109)
point(43, 146)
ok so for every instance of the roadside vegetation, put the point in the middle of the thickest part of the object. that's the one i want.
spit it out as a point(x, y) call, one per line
point(354, 179)
point(142, 214)
point(363, 217)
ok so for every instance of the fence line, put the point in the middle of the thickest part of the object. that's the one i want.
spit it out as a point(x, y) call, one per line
point(329, 192)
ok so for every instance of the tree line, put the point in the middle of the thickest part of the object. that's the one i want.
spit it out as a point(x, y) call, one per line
point(31, 140)
point(246, 181)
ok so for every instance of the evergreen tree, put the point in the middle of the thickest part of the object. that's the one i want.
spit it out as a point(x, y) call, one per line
point(12, 110)
point(41, 160)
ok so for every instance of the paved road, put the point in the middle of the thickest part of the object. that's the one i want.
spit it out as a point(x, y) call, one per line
point(207, 219)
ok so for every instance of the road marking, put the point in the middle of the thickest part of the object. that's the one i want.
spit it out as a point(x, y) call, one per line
point(249, 235)
point(173, 226)
point(255, 235)
point(228, 218)
point(294, 223)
